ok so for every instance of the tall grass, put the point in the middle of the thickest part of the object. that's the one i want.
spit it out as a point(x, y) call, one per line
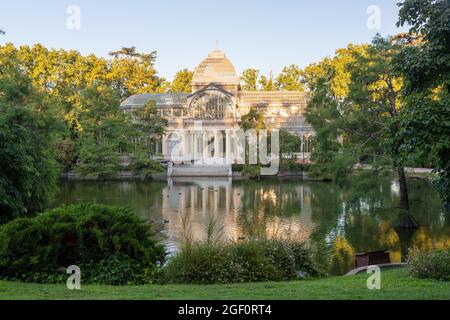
point(220, 260)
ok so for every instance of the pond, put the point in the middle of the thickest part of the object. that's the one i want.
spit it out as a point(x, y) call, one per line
point(339, 221)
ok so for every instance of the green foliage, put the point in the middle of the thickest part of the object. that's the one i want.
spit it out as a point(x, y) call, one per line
point(148, 128)
point(146, 167)
point(203, 264)
point(432, 264)
point(424, 131)
point(267, 83)
point(252, 260)
point(354, 120)
point(323, 114)
point(97, 161)
point(425, 66)
point(251, 170)
point(65, 74)
point(129, 72)
point(28, 175)
point(248, 170)
point(182, 81)
point(333, 71)
point(289, 144)
point(116, 271)
point(290, 79)
point(65, 153)
point(252, 120)
point(249, 79)
point(36, 248)
point(294, 166)
point(341, 167)
point(104, 127)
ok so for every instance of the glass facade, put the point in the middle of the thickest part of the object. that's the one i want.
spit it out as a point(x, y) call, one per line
point(212, 104)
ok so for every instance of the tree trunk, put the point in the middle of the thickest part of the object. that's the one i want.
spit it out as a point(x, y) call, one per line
point(406, 220)
point(404, 200)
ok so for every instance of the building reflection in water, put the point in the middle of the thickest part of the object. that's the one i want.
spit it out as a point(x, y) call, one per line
point(239, 212)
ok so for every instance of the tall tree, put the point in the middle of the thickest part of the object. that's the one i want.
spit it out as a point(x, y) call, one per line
point(254, 119)
point(267, 83)
point(182, 81)
point(359, 110)
point(375, 102)
point(328, 84)
point(66, 74)
point(28, 175)
point(104, 127)
point(149, 127)
point(249, 79)
point(289, 144)
point(132, 72)
point(425, 66)
point(290, 79)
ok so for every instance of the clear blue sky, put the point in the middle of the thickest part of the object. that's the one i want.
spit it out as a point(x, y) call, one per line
point(261, 34)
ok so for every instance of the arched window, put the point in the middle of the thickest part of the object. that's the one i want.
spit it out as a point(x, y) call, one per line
point(212, 104)
point(307, 144)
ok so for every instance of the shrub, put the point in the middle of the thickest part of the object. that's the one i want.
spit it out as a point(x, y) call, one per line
point(146, 167)
point(289, 165)
point(246, 261)
point(34, 249)
point(251, 170)
point(115, 271)
point(432, 264)
point(237, 167)
point(264, 261)
point(248, 170)
point(201, 263)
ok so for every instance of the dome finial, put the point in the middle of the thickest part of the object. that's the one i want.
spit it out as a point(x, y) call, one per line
point(217, 45)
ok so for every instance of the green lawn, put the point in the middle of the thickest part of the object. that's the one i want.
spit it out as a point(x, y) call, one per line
point(395, 284)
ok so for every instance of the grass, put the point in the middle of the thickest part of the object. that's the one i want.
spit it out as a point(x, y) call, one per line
point(395, 284)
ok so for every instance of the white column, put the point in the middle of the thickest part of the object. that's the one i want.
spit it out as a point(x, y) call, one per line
point(182, 138)
point(205, 146)
point(188, 147)
point(164, 146)
point(229, 154)
point(194, 144)
point(217, 152)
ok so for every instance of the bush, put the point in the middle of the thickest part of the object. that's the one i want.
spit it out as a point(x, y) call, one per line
point(37, 249)
point(432, 264)
point(115, 271)
point(293, 166)
point(237, 167)
point(247, 261)
point(248, 170)
point(146, 167)
point(202, 263)
point(264, 261)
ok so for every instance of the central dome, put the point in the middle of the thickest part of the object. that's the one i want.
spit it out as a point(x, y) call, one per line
point(215, 68)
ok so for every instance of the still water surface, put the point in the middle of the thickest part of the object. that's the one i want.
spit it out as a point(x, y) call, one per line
point(338, 220)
